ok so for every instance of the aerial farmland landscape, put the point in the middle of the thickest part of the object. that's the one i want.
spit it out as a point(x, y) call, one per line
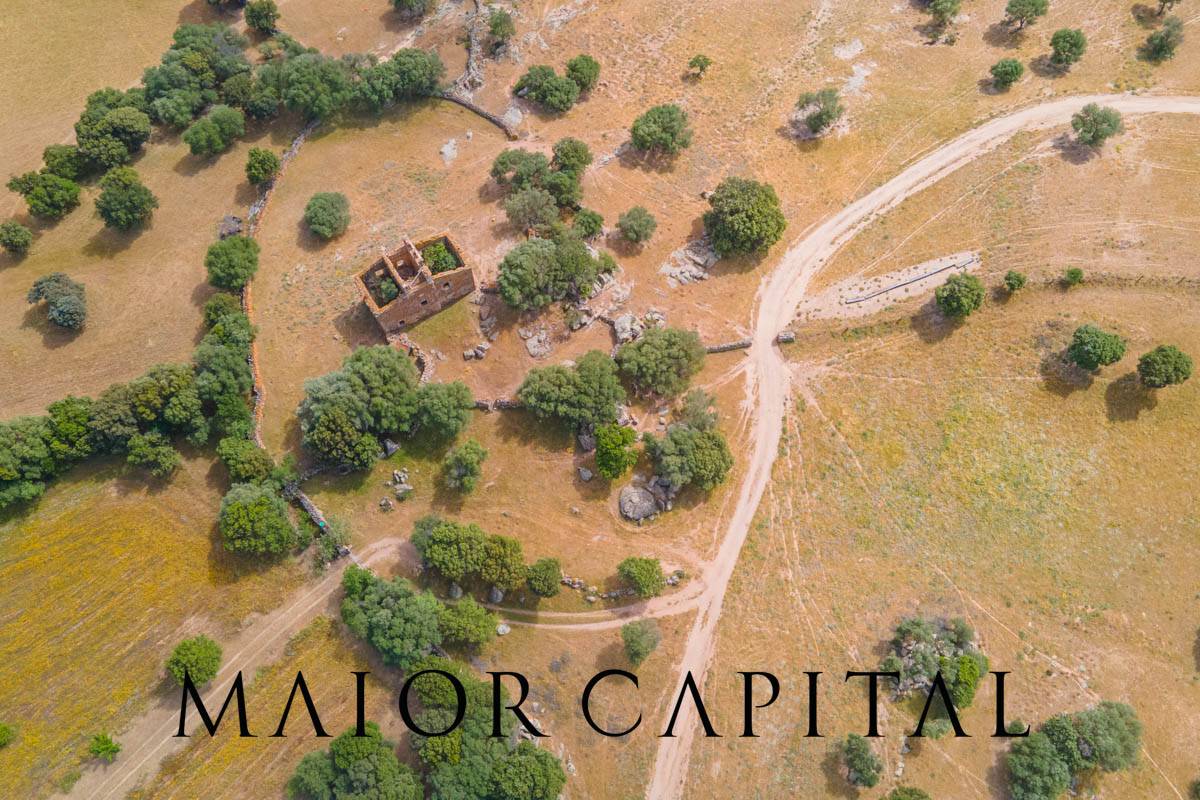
point(598, 400)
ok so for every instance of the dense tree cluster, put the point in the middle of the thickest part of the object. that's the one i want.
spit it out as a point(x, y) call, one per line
point(124, 202)
point(662, 361)
point(907, 793)
point(245, 461)
point(640, 638)
point(688, 456)
point(198, 657)
point(355, 767)
point(644, 575)
point(47, 195)
point(463, 466)
point(66, 304)
point(205, 65)
point(662, 129)
point(863, 767)
point(1106, 737)
point(327, 214)
point(471, 764)
point(960, 296)
point(231, 262)
point(745, 217)
point(216, 131)
point(1092, 348)
point(540, 271)
point(1165, 365)
point(398, 621)
point(921, 648)
point(555, 92)
point(467, 623)
point(465, 553)
point(584, 394)
point(376, 393)
point(254, 521)
point(614, 450)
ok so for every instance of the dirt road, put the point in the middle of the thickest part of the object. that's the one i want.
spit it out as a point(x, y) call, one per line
point(767, 376)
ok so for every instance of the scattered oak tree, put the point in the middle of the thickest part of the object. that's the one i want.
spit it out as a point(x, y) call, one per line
point(687, 457)
point(262, 16)
point(1006, 72)
point(254, 521)
point(463, 466)
point(501, 25)
point(15, 238)
point(1094, 124)
point(124, 202)
point(1025, 12)
point(584, 71)
point(231, 262)
point(1165, 365)
point(661, 129)
point(261, 166)
point(355, 766)
point(637, 225)
point(467, 623)
point(960, 296)
point(863, 767)
point(745, 217)
point(1092, 348)
point(1014, 281)
point(662, 361)
point(1067, 46)
point(545, 577)
point(645, 575)
point(1161, 44)
point(699, 64)
point(198, 657)
point(66, 306)
point(640, 638)
point(824, 108)
point(327, 214)
point(47, 195)
point(614, 450)
point(391, 616)
point(586, 394)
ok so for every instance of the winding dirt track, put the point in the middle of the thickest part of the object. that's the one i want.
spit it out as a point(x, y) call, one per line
point(149, 739)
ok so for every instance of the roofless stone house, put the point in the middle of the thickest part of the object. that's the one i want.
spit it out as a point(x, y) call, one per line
point(415, 282)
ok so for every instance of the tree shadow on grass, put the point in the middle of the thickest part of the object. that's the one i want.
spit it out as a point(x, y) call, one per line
point(53, 336)
point(1001, 34)
point(108, 243)
point(632, 158)
point(1144, 15)
point(931, 326)
point(1062, 378)
point(1044, 67)
point(1196, 651)
point(834, 771)
point(1126, 398)
point(522, 426)
point(1073, 151)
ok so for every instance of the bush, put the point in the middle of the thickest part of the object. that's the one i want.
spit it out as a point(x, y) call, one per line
point(104, 747)
point(584, 71)
point(637, 225)
point(745, 217)
point(571, 156)
point(393, 618)
point(199, 657)
point(1161, 45)
point(686, 456)
point(960, 296)
point(501, 25)
point(944, 11)
point(1067, 46)
point(262, 16)
point(587, 223)
point(463, 466)
point(531, 207)
point(261, 166)
point(1014, 281)
point(8, 734)
point(254, 521)
point(827, 109)
point(443, 409)
point(614, 452)
point(1035, 769)
point(231, 262)
point(697, 410)
point(1165, 365)
point(467, 623)
point(1092, 348)
point(699, 64)
point(662, 361)
point(662, 129)
point(1094, 124)
point(124, 202)
point(15, 238)
point(645, 575)
point(245, 460)
point(1073, 276)
point(359, 766)
point(640, 638)
point(906, 793)
point(862, 765)
point(47, 195)
point(545, 577)
point(439, 258)
point(327, 214)
point(586, 394)
point(66, 305)
point(1006, 72)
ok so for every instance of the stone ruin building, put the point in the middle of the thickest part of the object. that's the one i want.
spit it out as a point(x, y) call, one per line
point(415, 282)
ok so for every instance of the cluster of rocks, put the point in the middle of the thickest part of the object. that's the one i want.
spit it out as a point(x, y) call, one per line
point(487, 315)
point(689, 263)
point(639, 501)
point(593, 593)
point(628, 327)
point(400, 487)
point(537, 342)
point(477, 352)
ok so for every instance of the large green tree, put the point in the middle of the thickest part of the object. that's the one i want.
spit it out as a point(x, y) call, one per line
point(254, 521)
point(745, 217)
point(661, 129)
point(662, 361)
point(124, 202)
point(391, 616)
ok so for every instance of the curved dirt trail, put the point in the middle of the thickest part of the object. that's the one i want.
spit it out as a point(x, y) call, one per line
point(767, 376)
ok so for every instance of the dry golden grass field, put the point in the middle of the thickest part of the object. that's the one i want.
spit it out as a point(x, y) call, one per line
point(924, 467)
